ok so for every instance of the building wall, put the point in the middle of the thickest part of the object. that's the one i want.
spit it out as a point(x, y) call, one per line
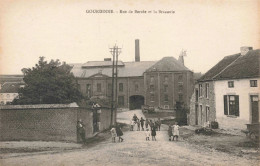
point(7, 97)
point(128, 87)
point(144, 90)
point(174, 91)
point(243, 90)
point(202, 102)
point(48, 124)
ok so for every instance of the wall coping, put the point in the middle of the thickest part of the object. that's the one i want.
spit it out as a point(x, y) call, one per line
point(38, 106)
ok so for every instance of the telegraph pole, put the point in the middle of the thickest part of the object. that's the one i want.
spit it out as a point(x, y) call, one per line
point(115, 51)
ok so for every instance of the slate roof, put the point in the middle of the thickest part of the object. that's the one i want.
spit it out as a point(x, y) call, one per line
point(11, 78)
point(10, 87)
point(94, 64)
point(168, 64)
point(130, 69)
point(235, 66)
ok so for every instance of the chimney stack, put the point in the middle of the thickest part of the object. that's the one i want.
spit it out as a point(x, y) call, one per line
point(245, 49)
point(137, 50)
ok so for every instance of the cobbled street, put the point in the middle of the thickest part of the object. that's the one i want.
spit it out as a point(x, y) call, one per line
point(134, 150)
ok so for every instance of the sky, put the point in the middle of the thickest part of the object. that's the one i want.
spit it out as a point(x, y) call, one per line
point(61, 29)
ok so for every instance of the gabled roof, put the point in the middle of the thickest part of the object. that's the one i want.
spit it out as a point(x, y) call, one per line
point(130, 69)
point(10, 87)
point(168, 64)
point(235, 66)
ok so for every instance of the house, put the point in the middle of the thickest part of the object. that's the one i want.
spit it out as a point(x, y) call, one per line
point(155, 83)
point(9, 91)
point(228, 92)
point(10, 78)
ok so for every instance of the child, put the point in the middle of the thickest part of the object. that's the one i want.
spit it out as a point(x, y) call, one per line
point(147, 133)
point(170, 132)
point(146, 123)
point(132, 125)
point(113, 133)
point(176, 131)
point(119, 133)
point(153, 133)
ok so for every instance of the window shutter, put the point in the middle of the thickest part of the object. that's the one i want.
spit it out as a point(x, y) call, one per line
point(237, 105)
point(225, 105)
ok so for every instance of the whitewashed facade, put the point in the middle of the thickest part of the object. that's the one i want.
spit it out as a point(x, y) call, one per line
point(245, 94)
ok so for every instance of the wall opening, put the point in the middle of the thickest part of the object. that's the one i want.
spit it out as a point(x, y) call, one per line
point(136, 102)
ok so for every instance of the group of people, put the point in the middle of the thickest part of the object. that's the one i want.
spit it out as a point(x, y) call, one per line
point(116, 131)
point(173, 132)
point(155, 125)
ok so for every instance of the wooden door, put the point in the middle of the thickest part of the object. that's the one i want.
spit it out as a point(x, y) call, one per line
point(196, 115)
point(254, 108)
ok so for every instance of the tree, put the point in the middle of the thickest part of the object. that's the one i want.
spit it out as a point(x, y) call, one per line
point(48, 83)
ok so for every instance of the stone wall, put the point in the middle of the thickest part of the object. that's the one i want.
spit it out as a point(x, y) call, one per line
point(201, 116)
point(47, 122)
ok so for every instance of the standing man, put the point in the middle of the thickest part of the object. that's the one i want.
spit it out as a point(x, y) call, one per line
point(81, 130)
point(159, 122)
point(142, 123)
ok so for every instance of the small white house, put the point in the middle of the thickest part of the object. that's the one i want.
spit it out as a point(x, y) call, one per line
point(9, 91)
point(237, 102)
point(229, 92)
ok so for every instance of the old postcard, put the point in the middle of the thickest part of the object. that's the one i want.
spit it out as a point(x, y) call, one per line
point(85, 82)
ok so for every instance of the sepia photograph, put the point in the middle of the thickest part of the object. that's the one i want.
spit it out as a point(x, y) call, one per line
point(118, 83)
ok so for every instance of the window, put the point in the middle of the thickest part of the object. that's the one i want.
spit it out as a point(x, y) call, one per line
point(197, 95)
point(253, 83)
point(88, 90)
point(152, 97)
point(231, 105)
point(166, 98)
point(165, 88)
point(207, 90)
point(98, 87)
point(180, 97)
point(136, 87)
point(121, 101)
point(231, 84)
point(109, 87)
point(180, 77)
point(151, 88)
point(121, 87)
point(166, 78)
point(207, 113)
point(152, 79)
point(201, 109)
point(180, 87)
point(200, 90)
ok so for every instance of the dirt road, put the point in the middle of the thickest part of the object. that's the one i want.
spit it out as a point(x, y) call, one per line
point(135, 150)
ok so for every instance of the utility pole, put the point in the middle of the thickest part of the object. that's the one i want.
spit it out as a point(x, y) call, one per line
point(115, 51)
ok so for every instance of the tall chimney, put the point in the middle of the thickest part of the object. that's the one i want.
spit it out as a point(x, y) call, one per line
point(137, 51)
point(245, 49)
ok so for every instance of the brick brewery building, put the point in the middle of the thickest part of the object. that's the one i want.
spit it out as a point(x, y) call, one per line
point(155, 83)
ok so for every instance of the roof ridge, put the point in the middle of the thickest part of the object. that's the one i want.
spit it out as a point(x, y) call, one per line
point(226, 66)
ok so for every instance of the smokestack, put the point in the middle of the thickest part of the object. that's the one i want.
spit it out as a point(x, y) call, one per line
point(137, 51)
point(245, 49)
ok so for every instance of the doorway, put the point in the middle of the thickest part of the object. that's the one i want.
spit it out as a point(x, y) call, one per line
point(136, 102)
point(254, 101)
